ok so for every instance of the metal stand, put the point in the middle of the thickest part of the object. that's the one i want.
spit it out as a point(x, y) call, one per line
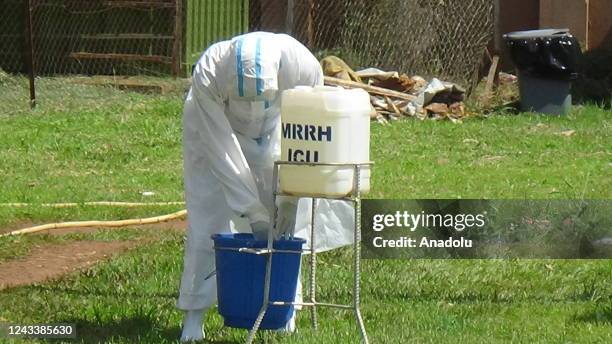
point(355, 198)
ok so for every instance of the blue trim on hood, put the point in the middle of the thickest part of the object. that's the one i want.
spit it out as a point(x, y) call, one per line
point(259, 80)
point(239, 66)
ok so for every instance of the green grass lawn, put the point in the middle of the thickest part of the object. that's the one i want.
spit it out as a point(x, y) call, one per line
point(125, 144)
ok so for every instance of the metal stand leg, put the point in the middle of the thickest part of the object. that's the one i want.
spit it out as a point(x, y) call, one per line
point(356, 199)
point(266, 299)
point(266, 296)
point(313, 269)
point(357, 256)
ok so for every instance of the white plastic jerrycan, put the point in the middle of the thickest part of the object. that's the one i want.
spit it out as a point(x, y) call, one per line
point(324, 125)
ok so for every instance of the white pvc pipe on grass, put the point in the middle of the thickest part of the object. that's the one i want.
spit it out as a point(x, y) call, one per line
point(81, 224)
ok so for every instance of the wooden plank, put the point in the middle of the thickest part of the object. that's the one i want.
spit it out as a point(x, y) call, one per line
point(492, 75)
point(145, 4)
point(104, 36)
point(392, 107)
point(124, 57)
point(600, 25)
point(559, 14)
point(371, 89)
point(29, 53)
point(587, 25)
point(178, 38)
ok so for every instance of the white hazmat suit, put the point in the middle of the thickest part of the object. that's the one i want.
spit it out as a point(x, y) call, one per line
point(231, 138)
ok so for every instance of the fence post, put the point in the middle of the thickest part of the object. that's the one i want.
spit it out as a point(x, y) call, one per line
point(289, 19)
point(497, 28)
point(310, 25)
point(255, 15)
point(29, 52)
point(178, 38)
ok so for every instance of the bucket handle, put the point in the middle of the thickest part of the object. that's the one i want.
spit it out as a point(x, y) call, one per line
point(256, 251)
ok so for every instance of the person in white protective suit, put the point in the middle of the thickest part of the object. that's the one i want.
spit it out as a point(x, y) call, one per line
point(231, 138)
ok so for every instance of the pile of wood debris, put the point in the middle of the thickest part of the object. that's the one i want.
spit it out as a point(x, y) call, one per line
point(396, 96)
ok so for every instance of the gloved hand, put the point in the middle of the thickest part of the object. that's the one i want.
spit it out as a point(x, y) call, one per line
point(260, 230)
point(287, 210)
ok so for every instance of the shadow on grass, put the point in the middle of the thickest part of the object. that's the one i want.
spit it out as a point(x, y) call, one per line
point(132, 329)
point(599, 316)
point(143, 327)
point(106, 293)
point(506, 109)
point(139, 329)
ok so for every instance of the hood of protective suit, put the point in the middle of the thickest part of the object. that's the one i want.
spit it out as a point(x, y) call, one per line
point(254, 66)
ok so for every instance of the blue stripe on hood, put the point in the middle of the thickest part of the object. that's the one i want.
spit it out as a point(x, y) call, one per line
point(259, 80)
point(240, 67)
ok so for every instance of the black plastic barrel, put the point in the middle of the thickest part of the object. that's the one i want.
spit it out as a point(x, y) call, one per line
point(547, 62)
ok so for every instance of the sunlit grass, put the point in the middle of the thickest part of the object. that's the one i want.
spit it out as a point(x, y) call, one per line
point(132, 143)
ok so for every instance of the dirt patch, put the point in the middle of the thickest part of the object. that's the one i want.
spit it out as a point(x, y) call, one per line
point(47, 262)
point(53, 261)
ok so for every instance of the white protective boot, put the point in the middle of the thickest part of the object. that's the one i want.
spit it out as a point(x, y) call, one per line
point(290, 327)
point(193, 329)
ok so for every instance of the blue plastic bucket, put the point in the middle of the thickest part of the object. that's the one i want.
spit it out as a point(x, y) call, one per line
point(241, 278)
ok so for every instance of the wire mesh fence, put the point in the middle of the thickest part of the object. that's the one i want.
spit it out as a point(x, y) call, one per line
point(14, 87)
point(442, 38)
point(56, 38)
point(106, 37)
